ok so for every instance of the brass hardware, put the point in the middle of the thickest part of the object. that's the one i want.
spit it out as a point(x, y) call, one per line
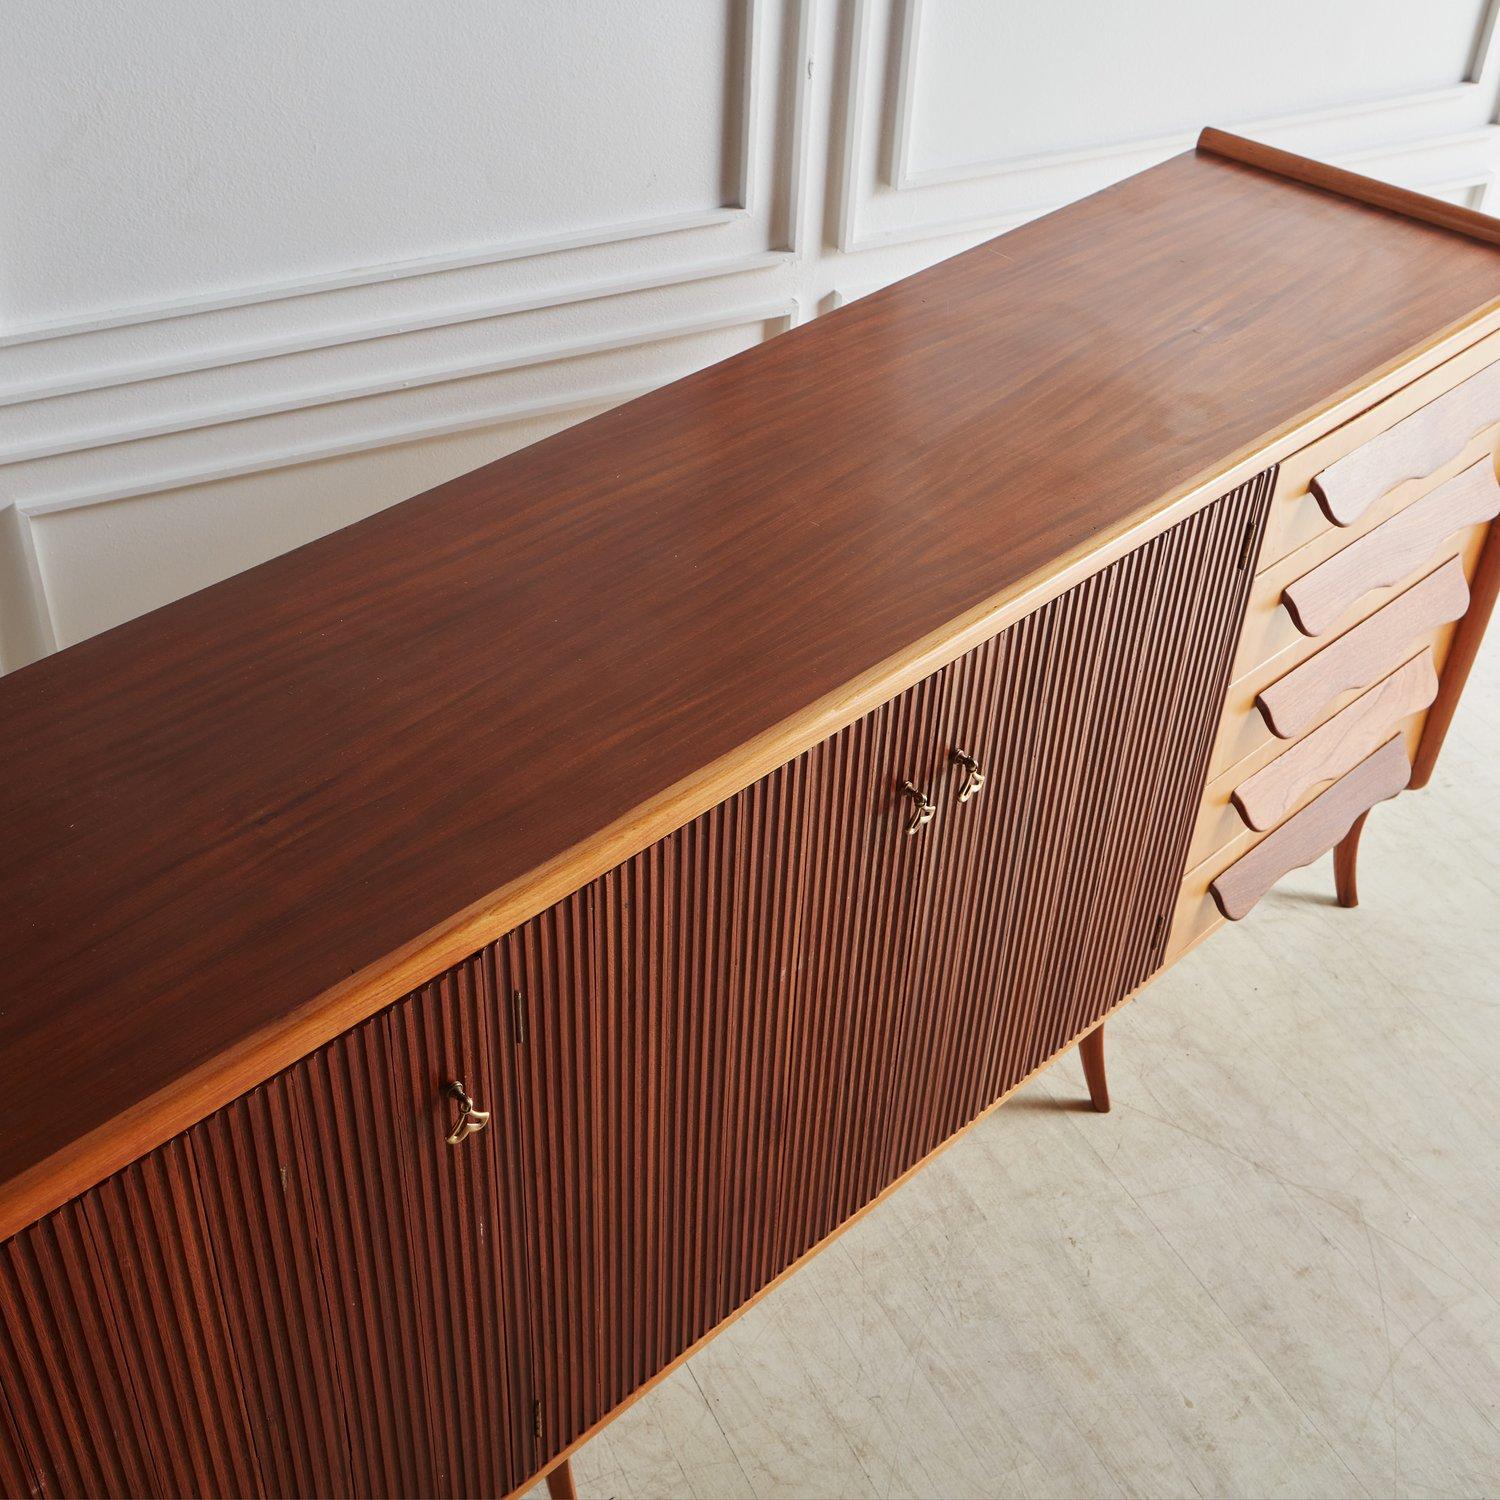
point(923, 811)
point(974, 781)
point(470, 1120)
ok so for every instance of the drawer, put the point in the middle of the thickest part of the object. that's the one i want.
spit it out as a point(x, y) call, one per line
point(1270, 795)
point(1313, 831)
point(1295, 701)
point(1411, 449)
point(1318, 599)
point(1297, 515)
point(1280, 648)
point(1221, 837)
point(1268, 627)
point(1220, 824)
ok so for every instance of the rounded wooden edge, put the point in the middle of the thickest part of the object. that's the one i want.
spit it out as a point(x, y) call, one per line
point(1352, 185)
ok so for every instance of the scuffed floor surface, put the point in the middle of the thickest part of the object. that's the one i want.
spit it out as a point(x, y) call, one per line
point(1274, 1269)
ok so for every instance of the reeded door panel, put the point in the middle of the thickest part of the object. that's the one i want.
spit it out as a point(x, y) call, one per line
point(465, 1224)
point(1049, 888)
point(693, 1070)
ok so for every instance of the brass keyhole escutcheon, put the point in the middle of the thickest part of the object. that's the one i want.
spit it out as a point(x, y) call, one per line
point(470, 1120)
point(973, 775)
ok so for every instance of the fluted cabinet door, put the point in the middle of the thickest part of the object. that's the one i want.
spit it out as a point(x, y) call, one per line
point(861, 907)
point(657, 1000)
point(1050, 890)
point(68, 1376)
point(156, 1260)
point(254, 1189)
point(464, 1215)
point(421, 1244)
point(709, 1040)
point(16, 1474)
point(349, 1155)
point(126, 1370)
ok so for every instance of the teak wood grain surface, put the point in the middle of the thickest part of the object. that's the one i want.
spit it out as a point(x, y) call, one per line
point(1314, 830)
point(1384, 556)
point(1291, 705)
point(224, 821)
point(1336, 746)
point(1412, 449)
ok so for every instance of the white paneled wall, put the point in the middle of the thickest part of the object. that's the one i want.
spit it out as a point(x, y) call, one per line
point(268, 267)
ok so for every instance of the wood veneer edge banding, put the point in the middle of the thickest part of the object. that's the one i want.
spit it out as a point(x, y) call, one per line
point(1351, 185)
point(656, 1379)
point(154, 1120)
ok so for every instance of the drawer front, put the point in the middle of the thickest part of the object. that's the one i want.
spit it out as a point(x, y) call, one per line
point(1279, 648)
point(1313, 831)
point(1297, 516)
point(1269, 627)
point(1272, 793)
point(1221, 831)
point(1318, 599)
point(1295, 701)
point(1411, 449)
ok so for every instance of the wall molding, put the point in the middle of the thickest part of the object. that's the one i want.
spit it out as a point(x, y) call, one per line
point(904, 177)
point(30, 627)
point(801, 127)
point(1483, 63)
point(382, 328)
point(288, 289)
point(295, 455)
point(335, 281)
point(335, 392)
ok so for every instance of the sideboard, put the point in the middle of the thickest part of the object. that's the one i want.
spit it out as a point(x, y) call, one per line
point(449, 971)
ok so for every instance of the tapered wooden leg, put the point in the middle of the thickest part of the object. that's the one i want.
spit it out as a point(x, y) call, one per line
point(1345, 856)
point(560, 1482)
point(1091, 1050)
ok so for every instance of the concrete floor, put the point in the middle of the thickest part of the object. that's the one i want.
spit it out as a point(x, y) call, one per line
point(1274, 1269)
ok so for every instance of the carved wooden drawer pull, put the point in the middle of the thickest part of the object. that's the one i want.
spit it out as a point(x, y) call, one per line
point(1291, 705)
point(1337, 746)
point(1388, 553)
point(1314, 831)
point(1412, 449)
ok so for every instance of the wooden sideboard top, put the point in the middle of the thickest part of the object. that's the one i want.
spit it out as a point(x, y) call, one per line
point(237, 825)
